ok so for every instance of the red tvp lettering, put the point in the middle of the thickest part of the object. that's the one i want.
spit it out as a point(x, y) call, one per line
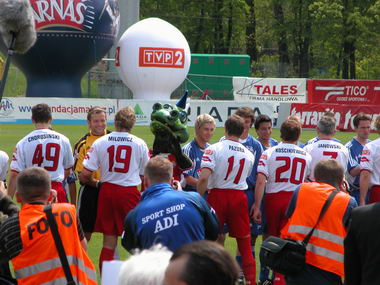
point(161, 57)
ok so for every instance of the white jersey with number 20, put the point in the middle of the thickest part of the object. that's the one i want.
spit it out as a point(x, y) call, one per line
point(285, 166)
point(120, 156)
point(44, 148)
point(230, 162)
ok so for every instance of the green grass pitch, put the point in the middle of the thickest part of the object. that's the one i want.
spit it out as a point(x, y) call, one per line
point(11, 134)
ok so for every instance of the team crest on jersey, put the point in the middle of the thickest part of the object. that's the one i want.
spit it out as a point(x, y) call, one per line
point(208, 151)
point(264, 156)
point(365, 152)
point(364, 159)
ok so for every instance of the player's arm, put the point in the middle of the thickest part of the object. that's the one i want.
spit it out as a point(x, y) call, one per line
point(12, 183)
point(259, 193)
point(365, 176)
point(190, 180)
point(355, 171)
point(85, 176)
point(203, 180)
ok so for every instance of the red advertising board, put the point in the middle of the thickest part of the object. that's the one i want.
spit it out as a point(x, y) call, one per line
point(349, 92)
point(344, 114)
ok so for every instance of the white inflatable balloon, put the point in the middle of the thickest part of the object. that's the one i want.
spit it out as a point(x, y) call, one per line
point(153, 58)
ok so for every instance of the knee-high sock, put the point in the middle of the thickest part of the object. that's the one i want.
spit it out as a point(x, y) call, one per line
point(249, 264)
point(105, 255)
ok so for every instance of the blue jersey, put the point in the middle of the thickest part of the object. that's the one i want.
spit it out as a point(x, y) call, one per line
point(355, 149)
point(255, 147)
point(169, 217)
point(195, 153)
point(272, 142)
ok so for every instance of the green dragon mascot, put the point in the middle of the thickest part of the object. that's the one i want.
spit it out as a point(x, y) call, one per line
point(169, 127)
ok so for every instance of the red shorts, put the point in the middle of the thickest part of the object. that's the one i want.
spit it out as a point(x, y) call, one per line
point(275, 208)
point(114, 204)
point(231, 207)
point(61, 192)
point(374, 195)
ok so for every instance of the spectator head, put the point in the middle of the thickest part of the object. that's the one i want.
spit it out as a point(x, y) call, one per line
point(329, 171)
point(290, 130)
point(146, 267)
point(247, 114)
point(125, 119)
point(158, 170)
point(326, 126)
point(201, 263)
point(41, 114)
point(97, 120)
point(33, 184)
point(234, 126)
point(204, 127)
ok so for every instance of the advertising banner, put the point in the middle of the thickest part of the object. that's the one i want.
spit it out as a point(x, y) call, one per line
point(279, 90)
point(219, 110)
point(344, 114)
point(64, 110)
point(348, 92)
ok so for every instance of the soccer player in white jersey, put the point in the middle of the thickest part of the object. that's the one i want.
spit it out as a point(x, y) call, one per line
point(4, 158)
point(45, 148)
point(224, 170)
point(281, 169)
point(370, 169)
point(121, 158)
point(326, 147)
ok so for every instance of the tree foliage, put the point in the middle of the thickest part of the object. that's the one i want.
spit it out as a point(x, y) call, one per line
point(293, 38)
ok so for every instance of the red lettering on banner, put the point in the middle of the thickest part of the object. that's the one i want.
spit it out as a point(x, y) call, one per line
point(161, 57)
point(310, 114)
point(293, 89)
point(351, 92)
point(60, 12)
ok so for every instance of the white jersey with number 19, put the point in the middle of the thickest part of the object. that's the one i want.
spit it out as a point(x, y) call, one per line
point(230, 162)
point(120, 156)
point(44, 148)
point(327, 149)
point(285, 166)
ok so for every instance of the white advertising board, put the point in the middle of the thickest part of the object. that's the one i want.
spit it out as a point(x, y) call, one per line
point(276, 90)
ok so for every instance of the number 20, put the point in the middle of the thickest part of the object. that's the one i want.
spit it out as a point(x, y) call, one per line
point(293, 164)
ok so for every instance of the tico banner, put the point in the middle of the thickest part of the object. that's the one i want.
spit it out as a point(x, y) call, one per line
point(350, 92)
point(344, 114)
point(278, 90)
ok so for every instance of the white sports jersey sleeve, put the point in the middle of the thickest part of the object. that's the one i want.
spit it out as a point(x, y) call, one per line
point(120, 156)
point(230, 162)
point(44, 148)
point(327, 149)
point(4, 158)
point(285, 166)
point(370, 161)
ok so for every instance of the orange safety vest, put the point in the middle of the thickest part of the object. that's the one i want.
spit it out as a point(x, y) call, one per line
point(325, 249)
point(38, 261)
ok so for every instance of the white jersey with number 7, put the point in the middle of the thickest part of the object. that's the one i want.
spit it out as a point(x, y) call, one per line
point(230, 162)
point(44, 148)
point(285, 166)
point(120, 156)
point(327, 149)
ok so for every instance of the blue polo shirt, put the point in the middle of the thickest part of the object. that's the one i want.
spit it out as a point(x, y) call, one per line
point(169, 217)
point(355, 149)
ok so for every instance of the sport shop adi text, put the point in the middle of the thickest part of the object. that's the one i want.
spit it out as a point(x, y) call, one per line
point(164, 223)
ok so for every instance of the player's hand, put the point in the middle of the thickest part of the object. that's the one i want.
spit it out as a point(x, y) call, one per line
point(256, 215)
point(3, 189)
point(53, 197)
point(176, 185)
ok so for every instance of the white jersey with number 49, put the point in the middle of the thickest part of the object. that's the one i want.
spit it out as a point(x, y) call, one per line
point(230, 162)
point(327, 149)
point(44, 148)
point(285, 165)
point(120, 156)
